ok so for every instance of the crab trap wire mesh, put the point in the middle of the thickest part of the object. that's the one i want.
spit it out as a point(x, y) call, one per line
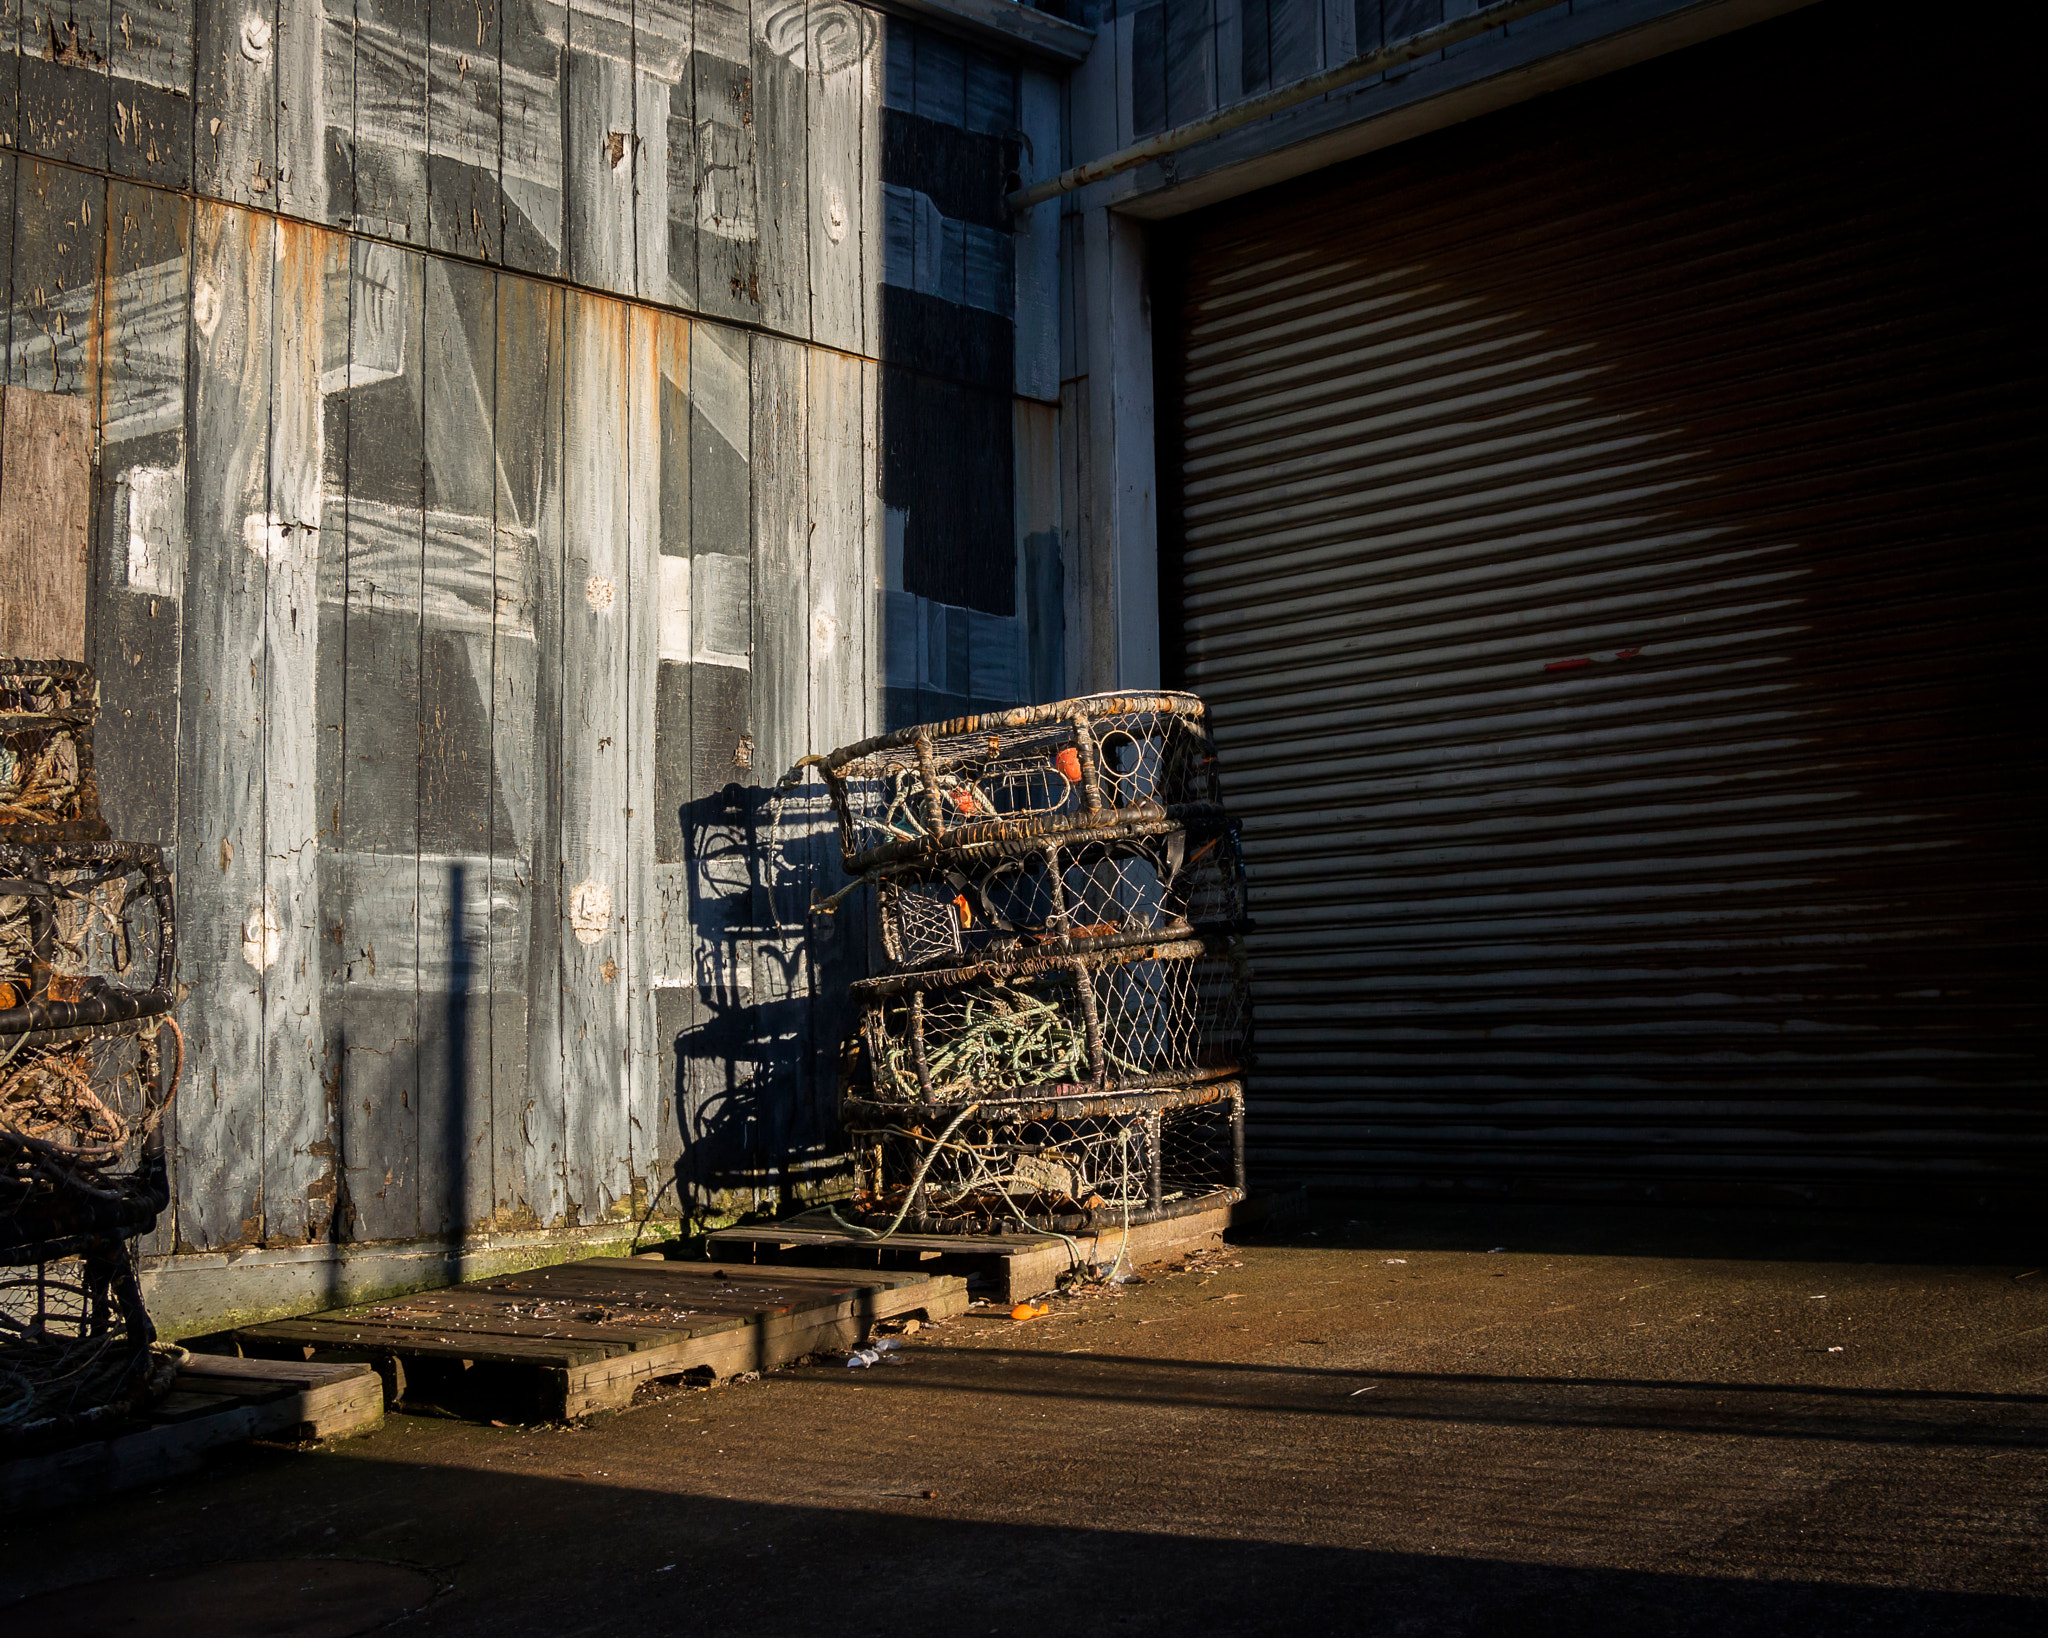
point(1064, 1166)
point(1070, 890)
point(47, 790)
point(1130, 1017)
point(912, 792)
point(89, 1063)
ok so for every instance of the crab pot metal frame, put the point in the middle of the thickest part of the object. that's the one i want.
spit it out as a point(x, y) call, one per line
point(1093, 888)
point(48, 789)
point(1067, 1164)
point(88, 954)
point(1007, 774)
point(1126, 1018)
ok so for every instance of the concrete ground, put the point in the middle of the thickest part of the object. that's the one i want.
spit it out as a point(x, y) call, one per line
point(1435, 1421)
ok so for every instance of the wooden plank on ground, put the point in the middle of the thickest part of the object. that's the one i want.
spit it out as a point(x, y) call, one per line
point(420, 1342)
point(316, 1402)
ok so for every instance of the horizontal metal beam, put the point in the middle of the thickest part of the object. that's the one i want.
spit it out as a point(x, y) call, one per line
point(1430, 40)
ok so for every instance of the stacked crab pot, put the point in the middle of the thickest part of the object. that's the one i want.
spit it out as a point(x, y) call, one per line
point(87, 952)
point(1057, 1038)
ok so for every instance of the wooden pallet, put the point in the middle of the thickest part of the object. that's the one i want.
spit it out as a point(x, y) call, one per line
point(1015, 1266)
point(213, 1402)
point(577, 1338)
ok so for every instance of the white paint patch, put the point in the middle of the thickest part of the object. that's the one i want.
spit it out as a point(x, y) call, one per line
point(205, 307)
point(824, 634)
point(719, 388)
point(598, 592)
point(835, 214)
point(152, 499)
point(256, 39)
point(262, 937)
point(590, 911)
point(276, 541)
point(674, 634)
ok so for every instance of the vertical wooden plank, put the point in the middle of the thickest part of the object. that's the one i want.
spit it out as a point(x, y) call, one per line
point(391, 119)
point(300, 46)
point(142, 510)
point(641, 593)
point(527, 1110)
point(592, 843)
point(63, 91)
point(1148, 70)
point(149, 69)
point(1297, 33)
point(728, 226)
point(234, 101)
point(142, 539)
point(1037, 243)
point(373, 811)
point(670, 939)
point(598, 158)
point(782, 158)
point(338, 107)
point(676, 151)
point(463, 97)
point(458, 625)
point(842, 39)
point(59, 221)
point(842, 598)
point(10, 74)
point(781, 696)
point(717, 1072)
point(295, 1117)
point(1190, 59)
point(1039, 589)
point(662, 31)
point(530, 60)
point(222, 932)
point(880, 74)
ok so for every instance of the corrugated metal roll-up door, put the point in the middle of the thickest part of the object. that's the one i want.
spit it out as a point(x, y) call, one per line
point(1608, 537)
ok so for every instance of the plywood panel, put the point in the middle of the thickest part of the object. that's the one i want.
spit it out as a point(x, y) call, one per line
point(45, 523)
point(594, 754)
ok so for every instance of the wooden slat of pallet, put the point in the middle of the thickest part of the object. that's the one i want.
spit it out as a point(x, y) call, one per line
point(661, 1320)
point(426, 1343)
point(250, 1399)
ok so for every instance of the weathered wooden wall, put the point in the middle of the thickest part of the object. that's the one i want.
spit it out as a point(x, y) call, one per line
point(490, 401)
